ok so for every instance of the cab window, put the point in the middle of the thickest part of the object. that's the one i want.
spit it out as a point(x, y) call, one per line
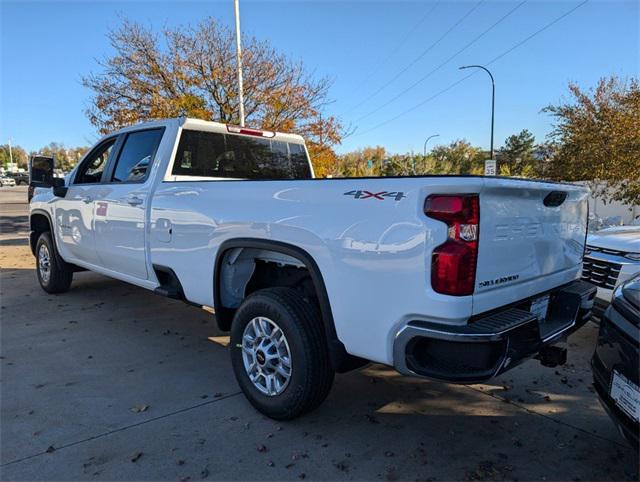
point(137, 153)
point(91, 170)
point(218, 155)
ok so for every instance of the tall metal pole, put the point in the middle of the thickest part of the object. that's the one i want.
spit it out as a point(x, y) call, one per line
point(425, 143)
point(493, 96)
point(236, 4)
point(425, 151)
point(10, 152)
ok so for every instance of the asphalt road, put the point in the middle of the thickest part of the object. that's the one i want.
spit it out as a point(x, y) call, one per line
point(14, 215)
point(110, 382)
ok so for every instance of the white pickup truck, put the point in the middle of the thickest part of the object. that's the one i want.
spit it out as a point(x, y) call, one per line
point(455, 278)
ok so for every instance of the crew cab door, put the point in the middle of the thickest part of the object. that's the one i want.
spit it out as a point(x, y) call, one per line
point(74, 212)
point(120, 210)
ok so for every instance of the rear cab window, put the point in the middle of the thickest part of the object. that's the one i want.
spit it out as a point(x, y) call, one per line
point(217, 155)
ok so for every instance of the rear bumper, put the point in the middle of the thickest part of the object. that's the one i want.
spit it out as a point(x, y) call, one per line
point(491, 343)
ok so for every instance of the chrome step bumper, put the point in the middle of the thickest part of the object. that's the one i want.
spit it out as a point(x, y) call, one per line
point(491, 343)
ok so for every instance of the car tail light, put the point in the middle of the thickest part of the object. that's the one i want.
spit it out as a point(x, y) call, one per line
point(249, 132)
point(453, 263)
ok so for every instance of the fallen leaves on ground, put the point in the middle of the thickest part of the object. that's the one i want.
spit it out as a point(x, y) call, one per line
point(135, 457)
point(139, 408)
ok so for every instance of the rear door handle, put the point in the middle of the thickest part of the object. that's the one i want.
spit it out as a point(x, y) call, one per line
point(134, 201)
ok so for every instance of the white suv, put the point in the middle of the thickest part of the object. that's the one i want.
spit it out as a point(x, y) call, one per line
point(7, 182)
point(612, 257)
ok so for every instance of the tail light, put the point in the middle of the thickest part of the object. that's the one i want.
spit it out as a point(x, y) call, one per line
point(453, 263)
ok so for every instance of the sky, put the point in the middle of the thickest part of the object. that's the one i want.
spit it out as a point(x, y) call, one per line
point(394, 65)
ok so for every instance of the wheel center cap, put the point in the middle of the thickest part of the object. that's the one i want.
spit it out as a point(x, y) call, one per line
point(260, 357)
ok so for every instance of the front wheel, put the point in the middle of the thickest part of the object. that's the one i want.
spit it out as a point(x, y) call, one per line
point(279, 353)
point(54, 274)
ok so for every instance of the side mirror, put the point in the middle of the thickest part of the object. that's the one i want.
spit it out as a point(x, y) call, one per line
point(41, 171)
point(41, 175)
point(59, 189)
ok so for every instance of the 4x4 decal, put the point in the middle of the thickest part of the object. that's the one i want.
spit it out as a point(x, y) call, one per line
point(375, 195)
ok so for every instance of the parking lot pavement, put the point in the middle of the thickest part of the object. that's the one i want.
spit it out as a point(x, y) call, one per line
point(111, 382)
point(14, 212)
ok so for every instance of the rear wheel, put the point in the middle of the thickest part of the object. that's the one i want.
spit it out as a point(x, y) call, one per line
point(54, 274)
point(279, 353)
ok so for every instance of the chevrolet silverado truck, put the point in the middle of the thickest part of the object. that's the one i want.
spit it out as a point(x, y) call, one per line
point(454, 278)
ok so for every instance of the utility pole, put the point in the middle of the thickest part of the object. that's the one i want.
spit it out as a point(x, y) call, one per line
point(236, 4)
point(493, 96)
point(10, 152)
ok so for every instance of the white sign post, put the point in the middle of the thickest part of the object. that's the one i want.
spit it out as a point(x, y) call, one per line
point(490, 167)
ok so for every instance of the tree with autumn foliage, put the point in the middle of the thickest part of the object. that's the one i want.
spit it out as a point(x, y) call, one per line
point(458, 157)
point(15, 153)
point(596, 137)
point(191, 71)
point(65, 157)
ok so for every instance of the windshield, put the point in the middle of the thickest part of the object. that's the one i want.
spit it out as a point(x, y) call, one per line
point(214, 154)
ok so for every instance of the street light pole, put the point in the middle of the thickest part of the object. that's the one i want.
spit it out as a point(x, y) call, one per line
point(425, 143)
point(236, 4)
point(425, 151)
point(493, 96)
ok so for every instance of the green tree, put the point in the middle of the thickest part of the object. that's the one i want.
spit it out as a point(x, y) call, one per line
point(517, 155)
point(368, 161)
point(459, 157)
point(597, 138)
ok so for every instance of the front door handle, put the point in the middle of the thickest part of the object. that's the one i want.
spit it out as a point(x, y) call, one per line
point(87, 199)
point(134, 201)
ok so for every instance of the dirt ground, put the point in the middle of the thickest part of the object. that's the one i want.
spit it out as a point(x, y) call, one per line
point(111, 382)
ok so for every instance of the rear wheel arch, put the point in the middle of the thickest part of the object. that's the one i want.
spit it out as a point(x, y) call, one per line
point(340, 359)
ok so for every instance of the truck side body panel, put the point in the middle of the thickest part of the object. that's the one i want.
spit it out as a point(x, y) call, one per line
point(374, 254)
point(366, 249)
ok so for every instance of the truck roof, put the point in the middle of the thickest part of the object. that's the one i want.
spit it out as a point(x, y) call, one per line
point(202, 125)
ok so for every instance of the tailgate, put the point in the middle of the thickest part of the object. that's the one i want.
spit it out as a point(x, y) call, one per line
point(532, 237)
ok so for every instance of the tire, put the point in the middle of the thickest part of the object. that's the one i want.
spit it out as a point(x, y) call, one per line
point(310, 373)
point(53, 273)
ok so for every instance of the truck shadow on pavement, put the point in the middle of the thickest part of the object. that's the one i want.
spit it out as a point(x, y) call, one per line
point(114, 382)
